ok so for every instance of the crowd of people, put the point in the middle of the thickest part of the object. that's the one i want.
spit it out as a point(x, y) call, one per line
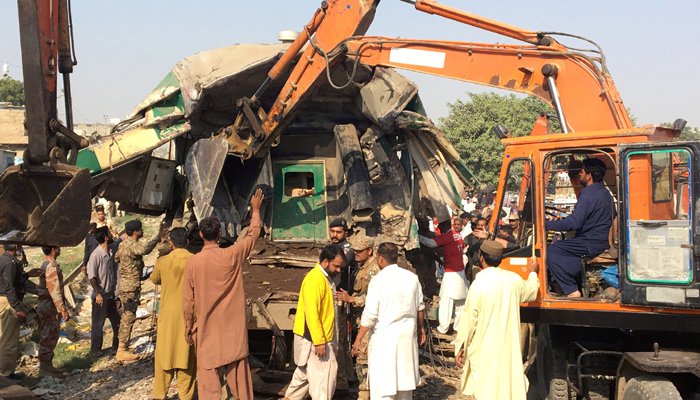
point(360, 316)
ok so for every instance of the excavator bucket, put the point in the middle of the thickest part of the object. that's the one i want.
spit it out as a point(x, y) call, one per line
point(44, 205)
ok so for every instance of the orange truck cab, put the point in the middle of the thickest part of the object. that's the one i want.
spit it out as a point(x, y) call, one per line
point(637, 324)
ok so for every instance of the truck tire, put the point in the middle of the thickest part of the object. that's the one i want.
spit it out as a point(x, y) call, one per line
point(550, 373)
point(559, 390)
point(650, 387)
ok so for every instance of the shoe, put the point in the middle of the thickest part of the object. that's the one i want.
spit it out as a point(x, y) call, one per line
point(16, 376)
point(125, 355)
point(47, 369)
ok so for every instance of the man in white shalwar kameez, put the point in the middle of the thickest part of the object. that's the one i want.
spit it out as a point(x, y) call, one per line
point(394, 314)
point(488, 339)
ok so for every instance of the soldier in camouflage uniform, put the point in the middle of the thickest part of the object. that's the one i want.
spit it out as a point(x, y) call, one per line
point(368, 268)
point(50, 309)
point(129, 256)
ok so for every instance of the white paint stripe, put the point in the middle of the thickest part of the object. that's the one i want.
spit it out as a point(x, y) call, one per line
point(424, 58)
point(518, 261)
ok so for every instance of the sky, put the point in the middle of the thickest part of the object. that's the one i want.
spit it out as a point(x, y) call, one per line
point(125, 48)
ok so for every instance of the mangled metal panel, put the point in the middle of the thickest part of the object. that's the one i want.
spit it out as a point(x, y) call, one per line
point(356, 174)
point(387, 94)
point(196, 96)
point(436, 160)
point(202, 168)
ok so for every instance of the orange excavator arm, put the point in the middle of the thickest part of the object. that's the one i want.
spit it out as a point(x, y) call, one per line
point(588, 99)
point(576, 83)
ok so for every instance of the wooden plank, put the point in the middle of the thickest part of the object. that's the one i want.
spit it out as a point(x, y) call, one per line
point(73, 274)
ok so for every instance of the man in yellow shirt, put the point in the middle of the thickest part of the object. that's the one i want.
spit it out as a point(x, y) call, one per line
point(315, 332)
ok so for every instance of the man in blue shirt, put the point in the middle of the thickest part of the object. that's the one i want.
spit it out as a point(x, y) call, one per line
point(591, 219)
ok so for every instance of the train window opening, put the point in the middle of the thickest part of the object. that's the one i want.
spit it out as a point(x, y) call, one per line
point(298, 184)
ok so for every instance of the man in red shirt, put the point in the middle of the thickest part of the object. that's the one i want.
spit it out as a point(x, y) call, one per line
point(453, 290)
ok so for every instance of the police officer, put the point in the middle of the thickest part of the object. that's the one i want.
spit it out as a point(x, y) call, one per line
point(12, 311)
point(367, 269)
point(338, 230)
point(129, 256)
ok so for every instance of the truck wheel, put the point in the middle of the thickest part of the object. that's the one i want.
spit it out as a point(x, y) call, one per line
point(550, 371)
point(650, 387)
point(559, 390)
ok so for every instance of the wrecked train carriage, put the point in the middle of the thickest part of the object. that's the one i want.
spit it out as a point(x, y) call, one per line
point(366, 153)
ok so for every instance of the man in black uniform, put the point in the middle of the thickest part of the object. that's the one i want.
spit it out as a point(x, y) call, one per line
point(591, 219)
point(338, 230)
point(12, 311)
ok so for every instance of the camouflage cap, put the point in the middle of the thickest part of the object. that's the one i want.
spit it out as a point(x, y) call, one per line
point(361, 242)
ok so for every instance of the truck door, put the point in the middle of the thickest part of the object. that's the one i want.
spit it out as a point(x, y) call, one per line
point(659, 234)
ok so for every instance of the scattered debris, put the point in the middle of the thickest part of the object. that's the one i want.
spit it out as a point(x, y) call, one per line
point(41, 391)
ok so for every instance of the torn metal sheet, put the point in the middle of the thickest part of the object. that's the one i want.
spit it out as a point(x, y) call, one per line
point(203, 167)
point(356, 175)
point(386, 95)
point(437, 183)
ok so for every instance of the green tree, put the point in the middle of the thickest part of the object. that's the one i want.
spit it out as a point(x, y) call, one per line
point(469, 122)
point(690, 133)
point(11, 91)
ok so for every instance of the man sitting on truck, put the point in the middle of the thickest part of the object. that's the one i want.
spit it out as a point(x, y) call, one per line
point(591, 219)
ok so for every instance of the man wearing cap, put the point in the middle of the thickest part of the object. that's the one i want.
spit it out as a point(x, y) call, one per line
point(514, 222)
point(368, 268)
point(50, 308)
point(12, 310)
point(338, 230)
point(394, 313)
point(130, 258)
point(488, 339)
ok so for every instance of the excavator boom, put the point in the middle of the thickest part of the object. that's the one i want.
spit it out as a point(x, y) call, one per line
point(587, 96)
point(575, 83)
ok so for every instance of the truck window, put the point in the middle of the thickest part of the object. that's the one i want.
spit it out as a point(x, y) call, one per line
point(662, 167)
point(514, 226)
point(659, 227)
point(561, 171)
